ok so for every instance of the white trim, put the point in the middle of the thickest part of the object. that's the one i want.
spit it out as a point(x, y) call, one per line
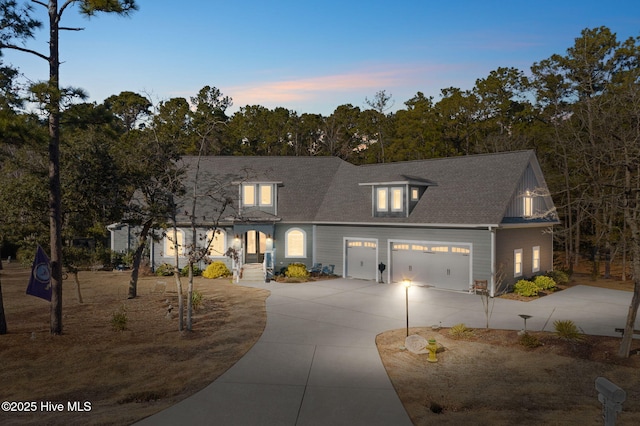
point(533, 259)
point(304, 243)
point(515, 272)
point(344, 253)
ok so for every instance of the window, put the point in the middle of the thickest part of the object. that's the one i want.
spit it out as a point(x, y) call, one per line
point(266, 193)
point(217, 248)
point(248, 195)
point(414, 194)
point(528, 204)
point(295, 243)
point(517, 263)
point(535, 261)
point(170, 243)
point(396, 199)
point(382, 199)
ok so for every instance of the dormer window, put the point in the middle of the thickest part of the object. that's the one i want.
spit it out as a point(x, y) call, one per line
point(397, 204)
point(248, 195)
point(415, 194)
point(397, 198)
point(390, 199)
point(254, 194)
point(382, 195)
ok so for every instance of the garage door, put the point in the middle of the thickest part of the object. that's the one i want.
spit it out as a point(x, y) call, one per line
point(361, 259)
point(440, 265)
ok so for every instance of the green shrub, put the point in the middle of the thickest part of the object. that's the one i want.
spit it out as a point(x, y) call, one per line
point(529, 341)
point(526, 288)
point(119, 320)
point(216, 270)
point(165, 270)
point(460, 331)
point(545, 282)
point(297, 270)
point(196, 300)
point(560, 277)
point(196, 271)
point(567, 330)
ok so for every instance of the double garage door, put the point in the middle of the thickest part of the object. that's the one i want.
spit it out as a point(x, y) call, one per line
point(437, 264)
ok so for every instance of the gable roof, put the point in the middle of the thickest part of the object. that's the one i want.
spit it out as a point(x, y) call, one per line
point(469, 190)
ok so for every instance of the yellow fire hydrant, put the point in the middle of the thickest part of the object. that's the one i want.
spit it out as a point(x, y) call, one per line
point(432, 347)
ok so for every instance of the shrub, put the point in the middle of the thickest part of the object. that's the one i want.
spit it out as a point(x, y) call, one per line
point(567, 330)
point(119, 320)
point(297, 270)
point(529, 341)
point(196, 300)
point(560, 277)
point(165, 270)
point(216, 270)
point(526, 288)
point(545, 282)
point(460, 331)
point(196, 271)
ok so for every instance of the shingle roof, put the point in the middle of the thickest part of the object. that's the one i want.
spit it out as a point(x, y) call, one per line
point(468, 190)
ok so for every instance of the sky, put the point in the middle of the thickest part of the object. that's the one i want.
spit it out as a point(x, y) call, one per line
point(313, 56)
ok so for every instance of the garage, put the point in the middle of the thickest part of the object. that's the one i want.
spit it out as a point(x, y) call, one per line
point(361, 258)
point(443, 265)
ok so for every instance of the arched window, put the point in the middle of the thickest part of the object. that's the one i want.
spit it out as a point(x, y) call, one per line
point(170, 244)
point(295, 243)
point(218, 246)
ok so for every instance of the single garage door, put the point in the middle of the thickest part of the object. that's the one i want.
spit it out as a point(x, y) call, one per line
point(440, 265)
point(360, 259)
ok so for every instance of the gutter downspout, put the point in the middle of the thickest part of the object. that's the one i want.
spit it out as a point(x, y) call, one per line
point(492, 281)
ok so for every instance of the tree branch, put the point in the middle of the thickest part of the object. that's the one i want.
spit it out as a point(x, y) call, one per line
point(70, 29)
point(24, 49)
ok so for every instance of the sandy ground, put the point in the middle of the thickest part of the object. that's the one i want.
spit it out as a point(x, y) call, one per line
point(488, 379)
point(123, 375)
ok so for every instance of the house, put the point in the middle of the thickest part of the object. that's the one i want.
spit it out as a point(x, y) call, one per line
point(441, 222)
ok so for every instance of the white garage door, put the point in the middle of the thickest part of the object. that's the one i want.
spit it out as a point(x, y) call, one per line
point(440, 265)
point(360, 259)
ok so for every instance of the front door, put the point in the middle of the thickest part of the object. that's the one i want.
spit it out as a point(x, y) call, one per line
point(255, 243)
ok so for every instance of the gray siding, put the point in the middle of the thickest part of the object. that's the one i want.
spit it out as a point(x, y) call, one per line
point(330, 243)
point(510, 239)
point(279, 244)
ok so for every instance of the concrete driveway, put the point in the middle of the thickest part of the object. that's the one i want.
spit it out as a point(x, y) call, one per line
point(317, 364)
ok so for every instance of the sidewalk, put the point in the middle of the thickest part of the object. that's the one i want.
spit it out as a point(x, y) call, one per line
point(317, 363)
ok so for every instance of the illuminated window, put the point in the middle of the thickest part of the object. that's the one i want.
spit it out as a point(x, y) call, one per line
point(295, 243)
point(354, 244)
point(535, 261)
point(382, 194)
point(170, 243)
point(217, 248)
point(517, 263)
point(370, 244)
point(396, 199)
point(248, 195)
point(266, 195)
point(528, 204)
point(440, 249)
point(461, 250)
point(414, 194)
point(399, 246)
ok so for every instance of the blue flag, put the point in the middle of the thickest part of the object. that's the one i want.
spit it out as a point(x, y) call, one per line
point(40, 280)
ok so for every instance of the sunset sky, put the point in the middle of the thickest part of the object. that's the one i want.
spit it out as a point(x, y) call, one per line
point(312, 56)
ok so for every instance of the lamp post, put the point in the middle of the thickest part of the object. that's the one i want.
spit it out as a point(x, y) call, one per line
point(407, 284)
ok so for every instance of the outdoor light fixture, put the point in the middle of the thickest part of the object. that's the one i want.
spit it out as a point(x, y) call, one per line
point(407, 284)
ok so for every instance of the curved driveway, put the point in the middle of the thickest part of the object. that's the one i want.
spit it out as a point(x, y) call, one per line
point(317, 364)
